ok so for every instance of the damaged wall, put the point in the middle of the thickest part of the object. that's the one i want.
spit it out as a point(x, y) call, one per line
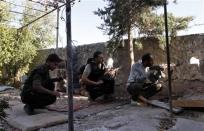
point(188, 54)
point(183, 49)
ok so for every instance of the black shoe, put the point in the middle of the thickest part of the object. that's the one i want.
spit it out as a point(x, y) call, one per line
point(29, 110)
point(108, 97)
point(91, 98)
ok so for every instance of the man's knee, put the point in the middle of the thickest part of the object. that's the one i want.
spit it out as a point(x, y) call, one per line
point(134, 87)
point(51, 99)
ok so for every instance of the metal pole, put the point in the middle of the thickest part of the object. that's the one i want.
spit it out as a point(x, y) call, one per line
point(12, 11)
point(168, 56)
point(69, 65)
point(57, 31)
point(22, 6)
point(43, 15)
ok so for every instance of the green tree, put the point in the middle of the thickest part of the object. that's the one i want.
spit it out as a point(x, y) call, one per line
point(120, 17)
point(7, 39)
point(4, 13)
point(18, 48)
point(43, 30)
point(154, 27)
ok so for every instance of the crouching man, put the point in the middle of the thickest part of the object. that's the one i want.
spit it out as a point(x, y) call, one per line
point(142, 83)
point(96, 78)
point(38, 90)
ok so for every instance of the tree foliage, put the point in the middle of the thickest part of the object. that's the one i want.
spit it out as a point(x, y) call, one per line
point(19, 47)
point(120, 17)
point(152, 24)
point(43, 29)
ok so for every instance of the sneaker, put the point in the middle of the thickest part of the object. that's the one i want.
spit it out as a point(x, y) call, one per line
point(29, 110)
point(90, 97)
point(136, 103)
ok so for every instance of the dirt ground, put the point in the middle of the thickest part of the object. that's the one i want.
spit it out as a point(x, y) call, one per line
point(120, 116)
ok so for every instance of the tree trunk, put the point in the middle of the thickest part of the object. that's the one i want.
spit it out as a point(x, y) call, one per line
point(130, 45)
point(4, 75)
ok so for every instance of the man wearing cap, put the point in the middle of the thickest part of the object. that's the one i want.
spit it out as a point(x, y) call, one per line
point(38, 90)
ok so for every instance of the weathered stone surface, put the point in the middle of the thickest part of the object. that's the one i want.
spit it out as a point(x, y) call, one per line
point(19, 119)
point(99, 129)
point(187, 125)
point(163, 105)
point(3, 88)
point(96, 108)
point(116, 124)
point(126, 118)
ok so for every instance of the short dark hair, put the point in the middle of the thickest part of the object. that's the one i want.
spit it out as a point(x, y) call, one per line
point(147, 57)
point(53, 58)
point(96, 54)
point(89, 60)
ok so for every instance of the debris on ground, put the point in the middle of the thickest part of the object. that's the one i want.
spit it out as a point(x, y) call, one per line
point(3, 105)
point(116, 115)
point(4, 88)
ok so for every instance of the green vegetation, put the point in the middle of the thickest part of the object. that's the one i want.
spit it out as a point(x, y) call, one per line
point(121, 17)
point(19, 47)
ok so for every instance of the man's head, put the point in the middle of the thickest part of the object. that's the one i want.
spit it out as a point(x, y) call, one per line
point(53, 61)
point(98, 57)
point(147, 60)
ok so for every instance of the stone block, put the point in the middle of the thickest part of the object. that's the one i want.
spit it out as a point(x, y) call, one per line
point(19, 119)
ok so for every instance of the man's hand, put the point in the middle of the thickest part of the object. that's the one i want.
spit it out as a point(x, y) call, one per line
point(55, 93)
point(111, 72)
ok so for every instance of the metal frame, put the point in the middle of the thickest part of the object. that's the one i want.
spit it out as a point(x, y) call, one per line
point(69, 65)
point(44, 15)
point(70, 55)
point(16, 12)
point(40, 17)
point(168, 56)
point(22, 6)
point(37, 2)
point(57, 31)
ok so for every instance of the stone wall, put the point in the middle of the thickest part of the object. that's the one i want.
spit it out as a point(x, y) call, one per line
point(188, 77)
point(182, 49)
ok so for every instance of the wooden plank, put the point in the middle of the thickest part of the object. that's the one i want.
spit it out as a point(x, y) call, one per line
point(188, 103)
point(164, 105)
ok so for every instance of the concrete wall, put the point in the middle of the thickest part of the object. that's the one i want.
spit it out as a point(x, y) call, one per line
point(182, 48)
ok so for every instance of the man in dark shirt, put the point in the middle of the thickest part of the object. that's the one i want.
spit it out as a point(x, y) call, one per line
point(95, 77)
point(38, 90)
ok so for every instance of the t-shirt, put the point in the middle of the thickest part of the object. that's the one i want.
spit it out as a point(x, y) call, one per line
point(87, 70)
point(138, 73)
point(41, 74)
